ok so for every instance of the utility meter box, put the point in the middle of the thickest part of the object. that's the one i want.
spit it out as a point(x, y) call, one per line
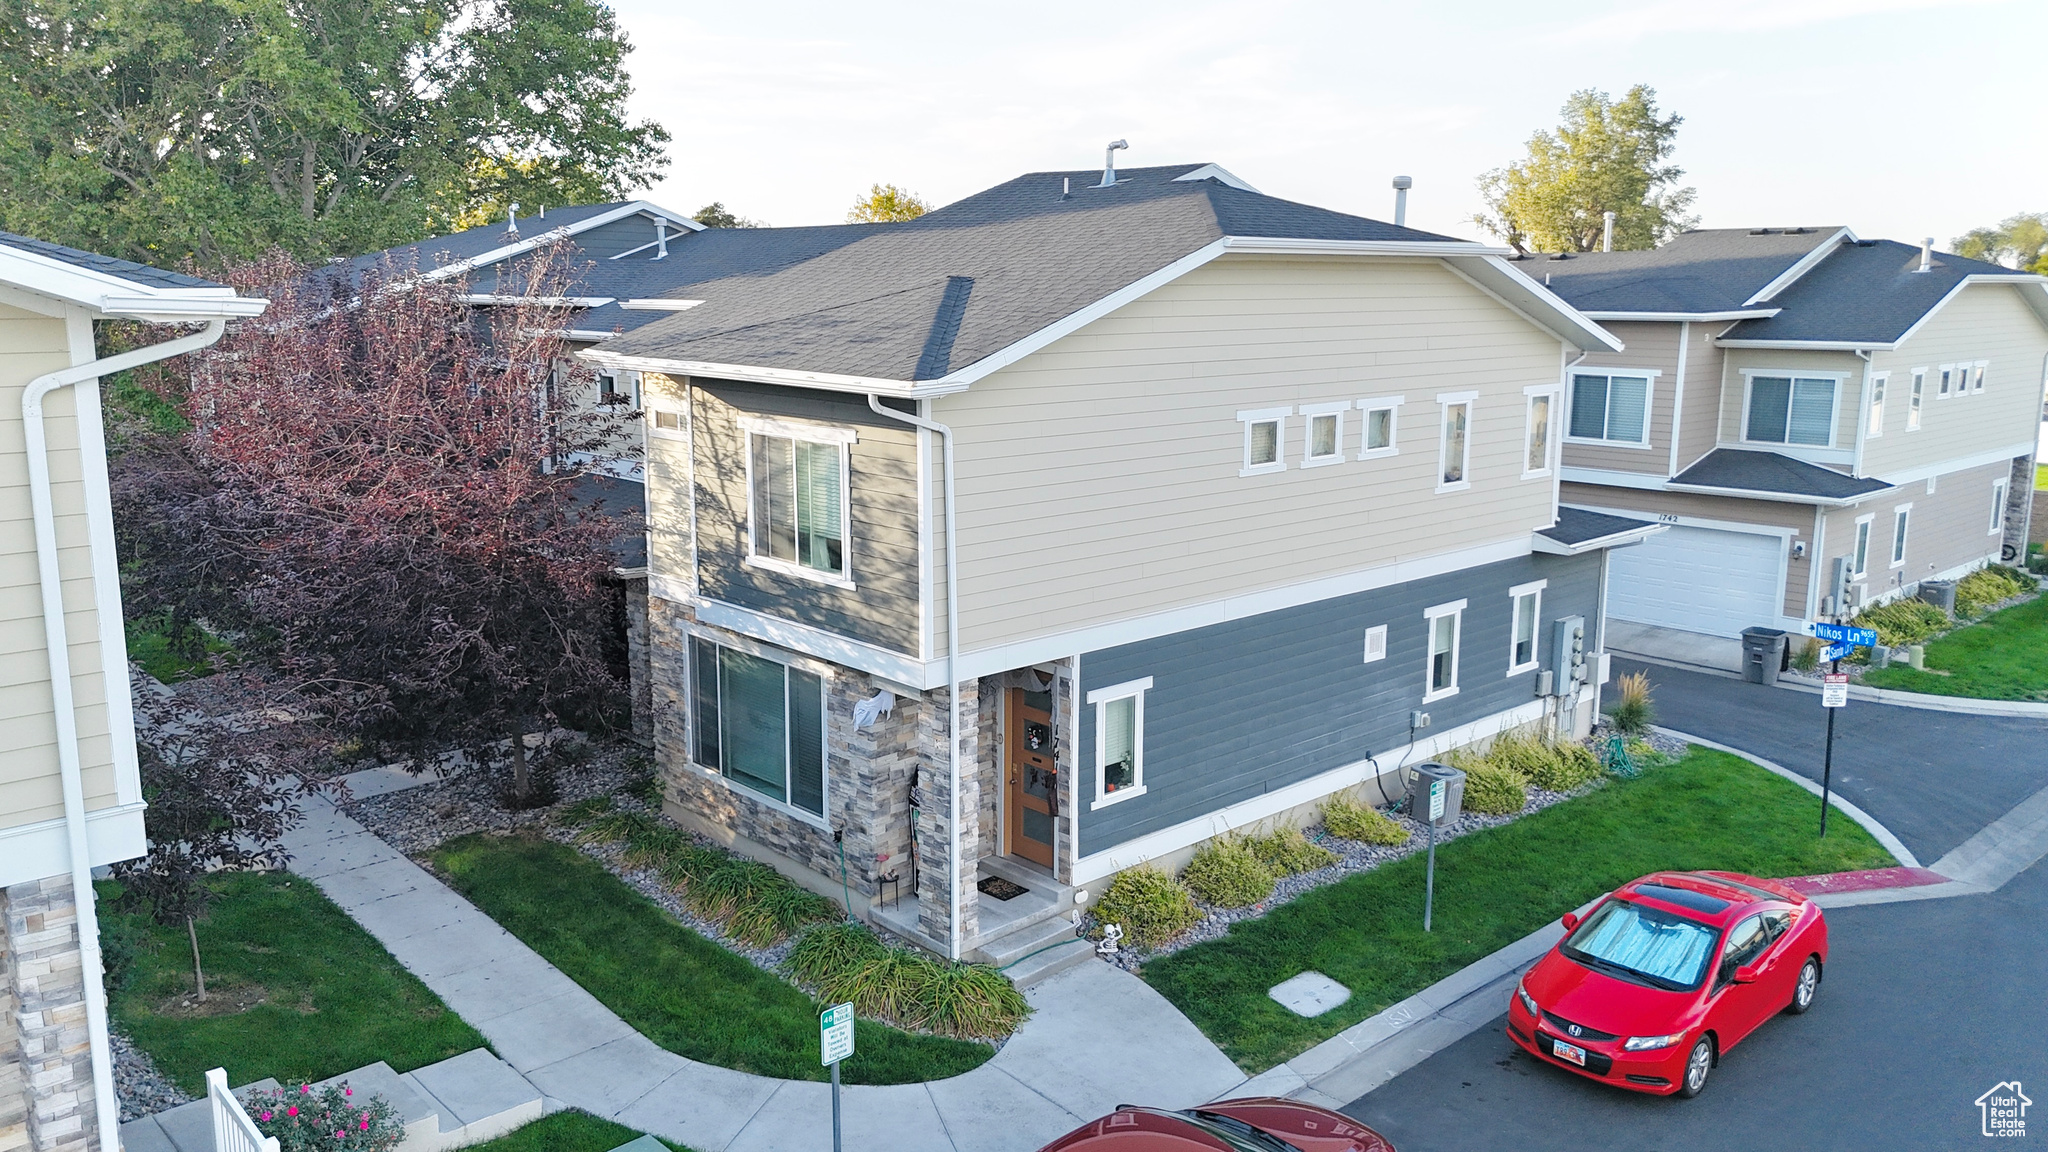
point(1569, 655)
point(1437, 793)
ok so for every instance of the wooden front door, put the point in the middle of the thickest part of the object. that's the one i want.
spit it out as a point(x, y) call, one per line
point(1032, 789)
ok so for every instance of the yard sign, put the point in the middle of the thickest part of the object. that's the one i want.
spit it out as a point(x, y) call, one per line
point(835, 1033)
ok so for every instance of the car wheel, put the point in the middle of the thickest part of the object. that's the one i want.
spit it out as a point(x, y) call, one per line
point(1697, 1066)
point(1807, 988)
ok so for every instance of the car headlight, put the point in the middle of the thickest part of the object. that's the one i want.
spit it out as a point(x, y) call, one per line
point(1646, 1043)
point(1528, 1001)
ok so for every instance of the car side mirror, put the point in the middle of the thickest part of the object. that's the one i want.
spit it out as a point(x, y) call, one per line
point(1571, 921)
point(1747, 974)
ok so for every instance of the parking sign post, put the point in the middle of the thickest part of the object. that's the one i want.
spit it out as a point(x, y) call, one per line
point(1834, 695)
point(835, 1043)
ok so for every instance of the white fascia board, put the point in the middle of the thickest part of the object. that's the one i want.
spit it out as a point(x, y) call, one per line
point(1778, 497)
point(1620, 539)
point(826, 381)
point(658, 304)
point(1678, 317)
point(1811, 345)
point(1800, 267)
point(1612, 478)
point(486, 298)
point(111, 295)
point(1540, 305)
point(588, 334)
point(33, 851)
point(563, 232)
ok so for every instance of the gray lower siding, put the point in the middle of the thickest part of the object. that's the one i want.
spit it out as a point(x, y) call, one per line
point(1242, 708)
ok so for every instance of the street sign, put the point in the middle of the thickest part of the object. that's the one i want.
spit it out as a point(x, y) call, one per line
point(1834, 690)
point(1835, 652)
point(835, 1033)
point(1846, 634)
point(1436, 800)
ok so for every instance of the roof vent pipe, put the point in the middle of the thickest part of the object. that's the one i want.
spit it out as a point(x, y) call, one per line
point(512, 219)
point(661, 237)
point(1401, 186)
point(1109, 163)
point(1066, 187)
point(1926, 254)
point(1607, 231)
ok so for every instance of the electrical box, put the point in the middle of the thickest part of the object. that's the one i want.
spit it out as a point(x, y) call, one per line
point(1837, 601)
point(1449, 798)
point(1569, 658)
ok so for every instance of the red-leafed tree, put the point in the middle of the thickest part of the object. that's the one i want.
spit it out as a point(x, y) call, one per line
point(364, 493)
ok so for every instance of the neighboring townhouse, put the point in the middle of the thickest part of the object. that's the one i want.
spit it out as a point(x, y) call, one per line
point(70, 791)
point(1789, 398)
point(1079, 522)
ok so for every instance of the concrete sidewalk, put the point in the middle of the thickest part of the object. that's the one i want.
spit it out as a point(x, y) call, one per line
point(1098, 1037)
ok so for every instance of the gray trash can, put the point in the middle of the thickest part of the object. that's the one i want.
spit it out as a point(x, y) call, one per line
point(1763, 654)
point(1940, 593)
point(1454, 792)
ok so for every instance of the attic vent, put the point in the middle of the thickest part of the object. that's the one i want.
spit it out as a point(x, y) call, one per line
point(1866, 243)
point(1763, 231)
point(1562, 256)
point(1797, 231)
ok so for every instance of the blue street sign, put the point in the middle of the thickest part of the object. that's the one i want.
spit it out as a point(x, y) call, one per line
point(1835, 652)
point(1846, 634)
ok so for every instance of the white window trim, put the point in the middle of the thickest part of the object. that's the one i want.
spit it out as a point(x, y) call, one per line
point(788, 660)
point(1309, 412)
point(1262, 416)
point(1916, 400)
point(1834, 407)
point(654, 427)
point(1445, 402)
point(1392, 406)
point(1557, 401)
point(1099, 699)
point(1532, 588)
point(2003, 489)
point(1874, 404)
point(1899, 543)
point(1865, 530)
point(1977, 371)
point(1649, 404)
point(842, 579)
point(1948, 374)
point(1376, 632)
point(800, 430)
point(1430, 616)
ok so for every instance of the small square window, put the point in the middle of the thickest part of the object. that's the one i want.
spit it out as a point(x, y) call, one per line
point(1265, 435)
point(1379, 422)
point(668, 421)
point(1324, 441)
point(1265, 446)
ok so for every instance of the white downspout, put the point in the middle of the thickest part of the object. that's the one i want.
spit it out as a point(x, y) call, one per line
point(57, 639)
point(952, 682)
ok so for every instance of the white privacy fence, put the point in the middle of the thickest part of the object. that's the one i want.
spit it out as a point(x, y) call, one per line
point(233, 1130)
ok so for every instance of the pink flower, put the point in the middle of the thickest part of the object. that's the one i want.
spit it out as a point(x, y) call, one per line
point(347, 1091)
point(292, 1111)
point(366, 1125)
point(305, 1088)
point(266, 1115)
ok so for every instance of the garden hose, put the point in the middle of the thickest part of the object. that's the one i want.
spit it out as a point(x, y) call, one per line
point(1034, 952)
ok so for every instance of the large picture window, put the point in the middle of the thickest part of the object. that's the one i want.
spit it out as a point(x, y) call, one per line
point(1791, 410)
point(799, 503)
point(760, 724)
point(1119, 741)
point(1611, 408)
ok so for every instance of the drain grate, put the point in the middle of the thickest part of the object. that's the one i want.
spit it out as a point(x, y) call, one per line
point(1000, 888)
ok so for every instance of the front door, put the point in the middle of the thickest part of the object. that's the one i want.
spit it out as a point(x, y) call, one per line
point(1032, 791)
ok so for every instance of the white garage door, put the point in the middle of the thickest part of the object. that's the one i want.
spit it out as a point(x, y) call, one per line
point(1698, 579)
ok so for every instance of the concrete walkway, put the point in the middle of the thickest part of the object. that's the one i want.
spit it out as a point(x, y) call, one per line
point(1099, 1037)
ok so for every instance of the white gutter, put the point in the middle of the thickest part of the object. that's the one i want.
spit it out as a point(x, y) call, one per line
point(57, 640)
point(952, 684)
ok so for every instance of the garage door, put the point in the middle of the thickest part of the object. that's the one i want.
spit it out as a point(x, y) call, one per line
point(1698, 579)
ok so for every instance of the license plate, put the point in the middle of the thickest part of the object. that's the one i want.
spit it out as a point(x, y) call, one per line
point(1570, 1052)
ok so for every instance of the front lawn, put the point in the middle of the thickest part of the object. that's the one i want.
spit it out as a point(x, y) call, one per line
point(1708, 810)
point(681, 991)
point(569, 1131)
point(2001, 657)
point(151, 647)
point(296, 990)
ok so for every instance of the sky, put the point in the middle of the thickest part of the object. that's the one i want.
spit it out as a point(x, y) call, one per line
point(1898, 118)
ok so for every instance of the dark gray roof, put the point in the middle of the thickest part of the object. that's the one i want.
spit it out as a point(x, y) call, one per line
point(127, 270)
point(917, 299)
point(470, 243)
point(1768, 472)
point(1705, 270)
point(1866, 291)
point(1579, 525)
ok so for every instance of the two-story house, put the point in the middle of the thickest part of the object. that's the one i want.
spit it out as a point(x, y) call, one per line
point(1094, 516)
point(1793, 397)
point(70, 790)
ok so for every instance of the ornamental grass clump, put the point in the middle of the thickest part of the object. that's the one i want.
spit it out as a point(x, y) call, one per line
point(1547, 764)
point(332, 1119)
point(1285, 851)
point(847, 962)
point(1899, 623)
point(1348, 818)
point(1806, 657)
point(1492, 788)
point(1225, 872)
point(1633, 711)
point(1151, 906)
point(1987, 586)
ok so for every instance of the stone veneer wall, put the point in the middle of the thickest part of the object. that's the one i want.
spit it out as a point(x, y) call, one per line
point(46, 1088)
point(641, 672)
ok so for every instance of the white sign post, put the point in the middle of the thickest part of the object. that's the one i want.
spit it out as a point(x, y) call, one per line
point(835, 1043)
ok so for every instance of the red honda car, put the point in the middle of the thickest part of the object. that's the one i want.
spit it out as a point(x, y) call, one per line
point(1666, 974)
point(1254, 1124)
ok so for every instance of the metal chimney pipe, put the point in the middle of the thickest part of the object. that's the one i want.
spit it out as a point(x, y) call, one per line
point(1109, 163)
point(1401, 186)
point(1607, 231)
point(512, 217)
point(1926, 254)
point(661, 237)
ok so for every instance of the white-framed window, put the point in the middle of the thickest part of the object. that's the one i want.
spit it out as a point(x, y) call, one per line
point(1900, 516)
point(1526, 602)
point(618, 388)
point(1375, 644)
point(1977, 376)
point(1859, 559)
point(1536, 432)
point(1998, 506)
point(1440, 675)
point(1323, 441)
point(1948, 372)
point(796, 484)
point(1914, 399)
point(1265, 440)
point(1790, 410)
point(667, 423)
point(1611, 408)
point(760, 724)
point(1454, 446)
point(1378, 421)
point(1119, 741)
point(1875, 426)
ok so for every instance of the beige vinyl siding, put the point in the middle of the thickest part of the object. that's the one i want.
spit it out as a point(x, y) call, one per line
point(622, 438)
point(1770, 361)
point(1946, 530)
point(1983, 322)
point(1099, 477)
point(30, 790)
point(1699, 417)
point(1652, 347)
point(668, 482)
point(1727, 511)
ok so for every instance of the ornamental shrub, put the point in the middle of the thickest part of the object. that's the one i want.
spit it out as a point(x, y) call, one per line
point(1902, 622)
point(1806, 657)
point(332, 1119)
point(1227, 873)
point(1987, 586)
point(1633, 711)
point(1286, 852)
point(1345, 816)
point(1152, 906)
point(846, 961)
point(1546, 764)
point(1491, 788)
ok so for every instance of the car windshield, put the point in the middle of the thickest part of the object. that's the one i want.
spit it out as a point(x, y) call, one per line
point(1238, 1134)
point(1662, 948)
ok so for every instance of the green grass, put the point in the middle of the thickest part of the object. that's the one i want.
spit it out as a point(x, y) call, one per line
point(682, 991)
point(1708, 810)
point(149, 647)
point(332, 998)
point(2001, 657)
point(570, 1131)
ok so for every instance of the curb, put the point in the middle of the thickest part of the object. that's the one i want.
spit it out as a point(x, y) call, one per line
point(1928, 702)
point(1892, 844)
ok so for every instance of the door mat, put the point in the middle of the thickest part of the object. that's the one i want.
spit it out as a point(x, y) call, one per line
point(1000, 888)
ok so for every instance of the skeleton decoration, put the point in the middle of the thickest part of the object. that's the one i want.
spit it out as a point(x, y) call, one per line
point(869, 710)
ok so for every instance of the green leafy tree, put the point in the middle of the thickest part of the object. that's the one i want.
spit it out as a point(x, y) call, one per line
point(885, 202)
point(1606, 156)
point(717, 215)
point(207, 131)
point(2018, 242)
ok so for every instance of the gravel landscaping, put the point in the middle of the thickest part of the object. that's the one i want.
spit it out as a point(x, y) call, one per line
point(418, 820)
point(140, 1087)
